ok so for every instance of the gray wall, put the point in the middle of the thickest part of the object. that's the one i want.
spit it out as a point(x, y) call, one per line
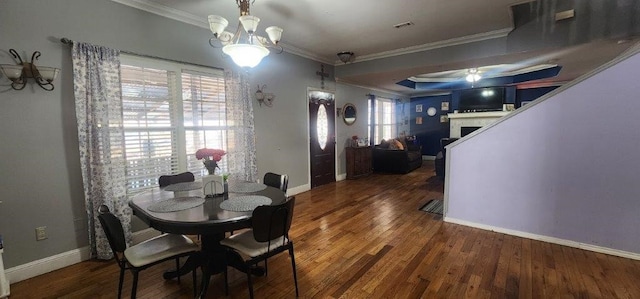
point(41, 183)
point(563, 167)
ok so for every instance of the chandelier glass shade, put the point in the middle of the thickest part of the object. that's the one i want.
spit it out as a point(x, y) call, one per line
point(246, 48)
point(473, 76)
point(246, 55)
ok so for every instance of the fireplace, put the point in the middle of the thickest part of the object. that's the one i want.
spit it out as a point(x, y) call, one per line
point(471, 121)
point(464, 131)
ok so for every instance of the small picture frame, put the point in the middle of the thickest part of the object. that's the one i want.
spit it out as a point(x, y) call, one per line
point(418, 120)
point(419, 108)
point(508, 107)
point(362, 142)
point(445, 106)
point(444, 118)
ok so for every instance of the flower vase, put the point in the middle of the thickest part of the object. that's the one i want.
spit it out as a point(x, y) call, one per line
point(213, 185)
point(211, 166)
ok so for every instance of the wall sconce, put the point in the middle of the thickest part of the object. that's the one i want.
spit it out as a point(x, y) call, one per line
point(263, 97)
point(19, 73)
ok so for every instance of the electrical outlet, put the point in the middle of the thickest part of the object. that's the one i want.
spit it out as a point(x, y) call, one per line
point(41, 233)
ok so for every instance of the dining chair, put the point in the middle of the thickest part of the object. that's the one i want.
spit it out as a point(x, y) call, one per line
point(145, 254)
point(166, 180)
point(268, 236)
point(279, 181)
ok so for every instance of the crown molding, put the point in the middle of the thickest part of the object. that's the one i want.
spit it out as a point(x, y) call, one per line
point(165, 11)
point(435, 45)
point(197, 21)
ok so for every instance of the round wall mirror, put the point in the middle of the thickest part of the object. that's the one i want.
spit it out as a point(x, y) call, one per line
point(349, 114)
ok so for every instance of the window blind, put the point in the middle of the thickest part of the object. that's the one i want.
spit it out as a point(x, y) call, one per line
point(149, 125)
point(205, 122)
point(169, 111)
point(384, 119)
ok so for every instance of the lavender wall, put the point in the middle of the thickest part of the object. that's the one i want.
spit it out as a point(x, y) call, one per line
point(565, 167)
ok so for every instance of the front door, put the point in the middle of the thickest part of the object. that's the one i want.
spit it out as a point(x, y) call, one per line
point(322, 139)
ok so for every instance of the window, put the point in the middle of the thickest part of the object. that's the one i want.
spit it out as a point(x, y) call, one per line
point(383, 123)
point(169, 111)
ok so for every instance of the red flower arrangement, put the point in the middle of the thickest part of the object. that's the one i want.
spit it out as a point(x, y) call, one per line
point(211, 158)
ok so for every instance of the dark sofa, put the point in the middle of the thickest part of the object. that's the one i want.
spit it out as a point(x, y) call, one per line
point(395, 160)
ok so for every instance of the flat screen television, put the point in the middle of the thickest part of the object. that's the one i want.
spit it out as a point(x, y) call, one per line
point(482, 99)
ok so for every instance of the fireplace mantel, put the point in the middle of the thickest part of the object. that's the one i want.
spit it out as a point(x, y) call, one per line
point(472, 119)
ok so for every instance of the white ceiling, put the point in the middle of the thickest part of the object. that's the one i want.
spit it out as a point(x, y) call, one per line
point(319, 29)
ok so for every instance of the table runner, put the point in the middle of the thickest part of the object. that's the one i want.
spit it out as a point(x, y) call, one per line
point(175, 204)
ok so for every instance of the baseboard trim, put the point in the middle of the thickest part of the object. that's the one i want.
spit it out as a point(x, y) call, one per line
point(574, 244)
point(48, 264)
point(341, 177)
point(65, 259)
point(299, 189)
point(428, 158)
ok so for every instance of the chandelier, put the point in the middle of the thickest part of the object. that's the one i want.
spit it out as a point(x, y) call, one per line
point(473, 75)
point(245, 47)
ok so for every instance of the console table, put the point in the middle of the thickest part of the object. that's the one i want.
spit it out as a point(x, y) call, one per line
point(358, 162)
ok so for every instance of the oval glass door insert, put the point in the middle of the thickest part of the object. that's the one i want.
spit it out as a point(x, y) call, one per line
point(322, 127)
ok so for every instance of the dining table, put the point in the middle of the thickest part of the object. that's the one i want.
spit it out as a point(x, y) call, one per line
point(184, 209)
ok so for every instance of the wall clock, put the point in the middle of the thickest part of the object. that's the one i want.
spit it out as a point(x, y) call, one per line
point(431, 111)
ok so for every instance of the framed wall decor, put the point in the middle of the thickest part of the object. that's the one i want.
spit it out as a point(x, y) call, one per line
point(431, 111)
point(418, 120)
point(418, 108)
point(445, 106)
point(444, 118)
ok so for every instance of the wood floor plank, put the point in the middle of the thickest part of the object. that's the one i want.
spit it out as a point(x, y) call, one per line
point(367, 238)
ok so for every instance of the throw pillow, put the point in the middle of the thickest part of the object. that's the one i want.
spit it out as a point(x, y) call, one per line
point(398, 144)
point(404, 143)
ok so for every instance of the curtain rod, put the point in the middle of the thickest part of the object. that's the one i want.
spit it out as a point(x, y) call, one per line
point(69, 42)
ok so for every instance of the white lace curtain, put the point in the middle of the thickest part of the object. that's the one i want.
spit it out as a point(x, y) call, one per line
point(241, 151)
point(96, 80)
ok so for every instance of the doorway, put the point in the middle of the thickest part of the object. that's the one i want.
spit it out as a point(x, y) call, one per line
point(322, 137)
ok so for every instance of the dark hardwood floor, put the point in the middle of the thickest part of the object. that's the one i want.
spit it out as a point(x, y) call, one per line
point(366, 238)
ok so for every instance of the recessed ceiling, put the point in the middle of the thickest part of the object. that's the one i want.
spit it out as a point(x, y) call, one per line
point(320, 29)
point(489, 71)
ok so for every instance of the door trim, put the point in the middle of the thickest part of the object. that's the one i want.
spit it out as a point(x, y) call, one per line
point(308, 141)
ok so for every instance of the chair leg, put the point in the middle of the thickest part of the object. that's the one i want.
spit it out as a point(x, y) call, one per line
point(293, 265)
point(226, 281)
point(195, 283)
point(177, 268)
point(134, 288)
point(120, 283)
point(266, 271)
point(250, 284)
